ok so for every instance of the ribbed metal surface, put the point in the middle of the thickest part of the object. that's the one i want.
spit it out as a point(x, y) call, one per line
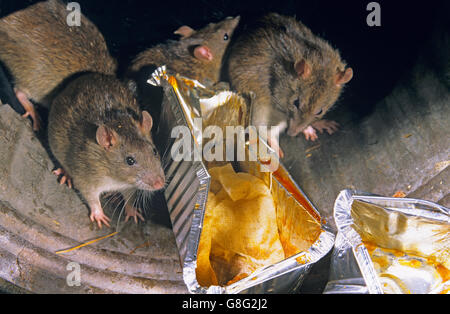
point(183, 195)
point(38, 217)
point(188, 185)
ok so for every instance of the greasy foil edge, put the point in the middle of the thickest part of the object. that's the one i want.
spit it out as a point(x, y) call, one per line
point(344, 221)
point(318, 250)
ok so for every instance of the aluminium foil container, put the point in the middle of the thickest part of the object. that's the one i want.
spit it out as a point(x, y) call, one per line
point(389, 245)
point(187, 191)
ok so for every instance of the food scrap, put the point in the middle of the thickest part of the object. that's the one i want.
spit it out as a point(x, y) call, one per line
point(313, 148)
point(240, 231)
point(143, 245)
point(399, 194)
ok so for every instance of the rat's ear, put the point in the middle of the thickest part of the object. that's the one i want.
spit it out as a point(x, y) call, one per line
point(203, 53)
point(146, 123)
point(302, 69)
point(106, 137)
point(343, 77)
point(184, 31)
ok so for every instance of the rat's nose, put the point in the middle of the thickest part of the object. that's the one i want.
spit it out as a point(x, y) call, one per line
point(291, 132)
point(153, 182)
point(159, 183)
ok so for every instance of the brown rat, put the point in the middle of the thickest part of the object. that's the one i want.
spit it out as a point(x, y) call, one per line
point(41, 50)
point(197, 55)
point(102, 139)
point(296, 76)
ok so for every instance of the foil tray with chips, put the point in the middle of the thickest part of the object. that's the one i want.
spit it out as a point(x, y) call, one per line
point(389, 245)
point(301, 229)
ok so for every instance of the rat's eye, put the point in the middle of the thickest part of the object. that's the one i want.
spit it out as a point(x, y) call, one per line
point(319, 113)
point(155, 152)
point(130, 161)
point(295, 106)
point(226, 37)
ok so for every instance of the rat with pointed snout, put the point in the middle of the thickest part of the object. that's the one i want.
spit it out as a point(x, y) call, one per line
point(102, 140)
point(96, 130)
point(197, 54)
point(296, 76)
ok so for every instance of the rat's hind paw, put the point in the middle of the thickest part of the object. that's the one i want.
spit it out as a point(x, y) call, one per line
point(63, 177)
point(132, 211)
point(30, 110)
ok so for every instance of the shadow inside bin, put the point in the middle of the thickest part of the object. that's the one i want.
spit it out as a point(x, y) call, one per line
point(153, 207)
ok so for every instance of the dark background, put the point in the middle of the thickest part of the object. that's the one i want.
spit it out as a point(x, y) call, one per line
point(378, 55)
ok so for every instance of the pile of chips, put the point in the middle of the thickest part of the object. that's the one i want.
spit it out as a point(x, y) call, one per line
point(240, 231)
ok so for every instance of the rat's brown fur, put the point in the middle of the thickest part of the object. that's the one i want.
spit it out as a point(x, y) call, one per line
point(178, 55)
point(41, 50)
point(94, 101)
point(263, 61)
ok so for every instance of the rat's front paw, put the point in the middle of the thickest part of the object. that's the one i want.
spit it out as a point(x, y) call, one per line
point(100, 217)
point(310, 133)
point(327, 125)
point(132, 211)
point(321, 125)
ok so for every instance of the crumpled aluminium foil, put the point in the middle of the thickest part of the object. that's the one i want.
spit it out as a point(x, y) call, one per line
point(389, 245)
point(187, 191)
